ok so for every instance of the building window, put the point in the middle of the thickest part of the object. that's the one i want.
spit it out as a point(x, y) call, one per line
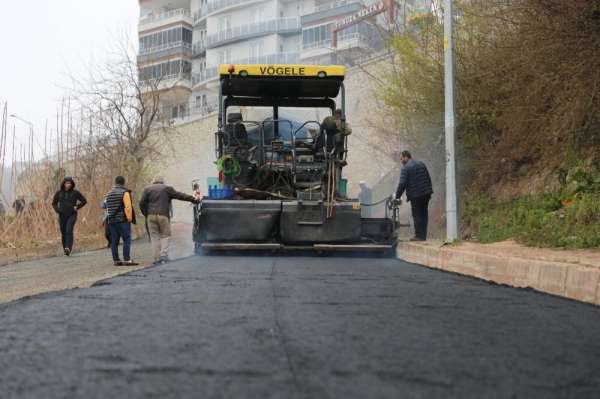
point(224, 23)
point(314, 37)
point(165, 38)
point(255, 50)
point(165, 70)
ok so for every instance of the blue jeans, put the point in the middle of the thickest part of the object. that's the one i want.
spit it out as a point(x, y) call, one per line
point(118, 231)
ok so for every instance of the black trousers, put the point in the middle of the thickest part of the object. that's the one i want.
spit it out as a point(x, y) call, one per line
point(420, 213)
point(67, 225)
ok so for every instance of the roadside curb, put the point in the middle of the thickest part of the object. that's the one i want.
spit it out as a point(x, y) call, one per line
point(569, 280)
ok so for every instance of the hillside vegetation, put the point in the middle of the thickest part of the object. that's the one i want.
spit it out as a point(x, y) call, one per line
point(528, 115)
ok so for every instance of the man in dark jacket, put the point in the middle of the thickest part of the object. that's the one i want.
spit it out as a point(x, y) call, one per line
point(155, 205)
point(119, 216)
point(67, 202)
point(415, 180)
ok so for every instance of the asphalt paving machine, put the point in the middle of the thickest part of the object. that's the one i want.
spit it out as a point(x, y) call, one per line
point(280, 184)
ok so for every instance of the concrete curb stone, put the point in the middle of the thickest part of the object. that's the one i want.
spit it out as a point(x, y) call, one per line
point(569, 280)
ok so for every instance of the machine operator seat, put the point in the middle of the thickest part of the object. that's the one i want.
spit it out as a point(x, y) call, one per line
point(235, 129)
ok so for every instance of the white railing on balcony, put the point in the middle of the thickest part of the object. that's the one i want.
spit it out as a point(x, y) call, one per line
point(181, 77)
point(278, 58)
point(165, 46)
point(199, 48)
point(213, 6)
point(211, 105)
point(253, 29)
point(164, 15)
point(342, 39)
point(336, 4)
point(207, 74)
point(201, 13)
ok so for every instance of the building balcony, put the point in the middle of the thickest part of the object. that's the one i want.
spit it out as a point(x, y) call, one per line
point(331, 10)
point(168, 82)
point(199, 49)
point(344, 42)
point(166, 50)
point(205, 76)
point(278, 58)
point(218, 5)
point(151, 21)
point(248, 31)
point(200, 14)
point(211, 106)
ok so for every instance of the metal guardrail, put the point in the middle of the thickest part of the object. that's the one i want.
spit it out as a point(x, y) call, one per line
point(257, 28)
point(164, 15)
point(165, 46)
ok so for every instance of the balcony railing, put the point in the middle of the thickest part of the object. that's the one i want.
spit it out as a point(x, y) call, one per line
point(166, 80)
point(336, 4)
point(342, 39)
point(165, 46)
point(199, 48)
point(278, 58)
point(207, 74)
point(212, 105)
point(254, 29)
point(164, 15)
point(213, 6)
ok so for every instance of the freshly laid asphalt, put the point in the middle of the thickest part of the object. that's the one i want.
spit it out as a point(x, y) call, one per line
point(298, 327)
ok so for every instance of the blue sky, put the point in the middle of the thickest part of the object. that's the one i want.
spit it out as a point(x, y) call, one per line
point(43, 39)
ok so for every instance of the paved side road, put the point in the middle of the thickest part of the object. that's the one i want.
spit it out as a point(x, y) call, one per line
point(298, 327)
point(81, 269)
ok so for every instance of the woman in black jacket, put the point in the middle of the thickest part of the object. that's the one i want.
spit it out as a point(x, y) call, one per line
point(66, 202)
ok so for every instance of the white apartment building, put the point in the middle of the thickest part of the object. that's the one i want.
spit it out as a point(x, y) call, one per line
point(165, 51)
point(186, 40)
point(241, 31)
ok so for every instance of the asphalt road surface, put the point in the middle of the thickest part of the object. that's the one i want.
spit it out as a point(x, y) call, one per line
point(298, 327)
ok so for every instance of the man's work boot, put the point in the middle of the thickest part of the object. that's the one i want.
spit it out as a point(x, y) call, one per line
point(117, 263)
point(67, 252)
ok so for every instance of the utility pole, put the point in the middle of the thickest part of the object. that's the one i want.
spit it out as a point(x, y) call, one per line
point(451, 201)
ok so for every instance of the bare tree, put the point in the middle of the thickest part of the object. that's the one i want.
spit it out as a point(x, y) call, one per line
point(127, 131)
